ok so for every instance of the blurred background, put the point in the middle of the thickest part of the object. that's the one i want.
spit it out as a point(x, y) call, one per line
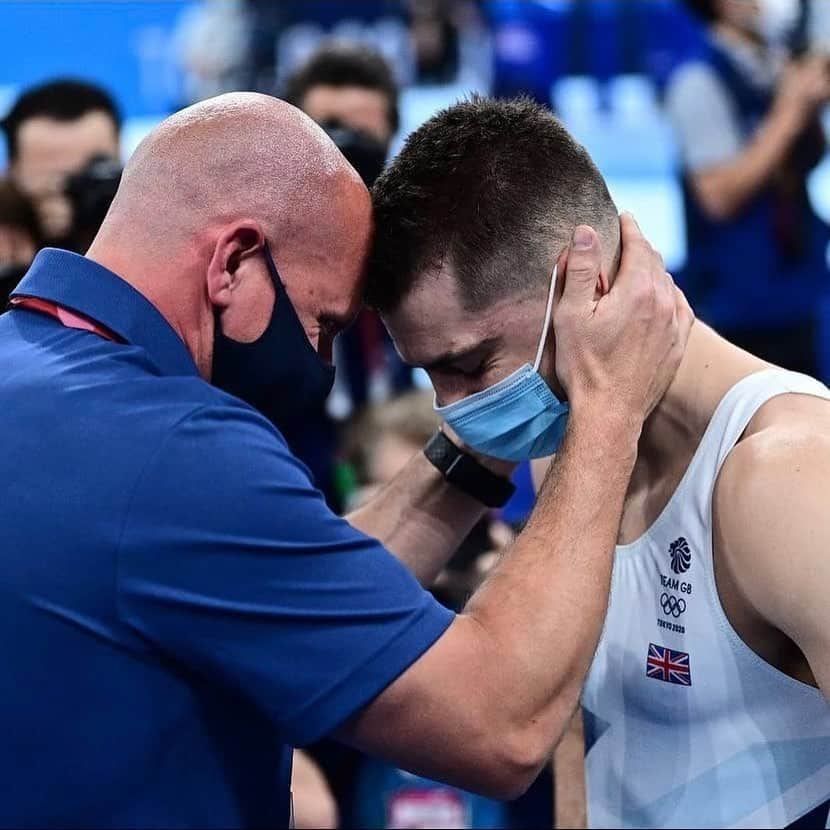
point(673, 99)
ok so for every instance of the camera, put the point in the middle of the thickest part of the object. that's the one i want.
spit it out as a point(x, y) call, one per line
point(363, 151)
point(90, 192)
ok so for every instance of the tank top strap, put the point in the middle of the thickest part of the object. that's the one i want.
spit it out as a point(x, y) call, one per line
point(729, 421)
point(743, 401)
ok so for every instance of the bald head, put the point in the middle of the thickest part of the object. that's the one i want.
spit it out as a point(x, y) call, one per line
point(238, 170)
point(236, 155)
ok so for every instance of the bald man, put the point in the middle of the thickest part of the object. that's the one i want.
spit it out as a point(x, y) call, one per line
point(178, 607)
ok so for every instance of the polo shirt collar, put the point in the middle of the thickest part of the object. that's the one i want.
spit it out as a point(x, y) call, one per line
point(84, 286)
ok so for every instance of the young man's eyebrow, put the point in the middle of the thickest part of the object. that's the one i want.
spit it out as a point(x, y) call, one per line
point(449, 358)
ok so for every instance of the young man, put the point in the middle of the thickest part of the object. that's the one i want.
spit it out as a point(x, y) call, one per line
point(706, 702)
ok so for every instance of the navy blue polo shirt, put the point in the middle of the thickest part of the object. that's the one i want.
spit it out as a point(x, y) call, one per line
point(178, 606)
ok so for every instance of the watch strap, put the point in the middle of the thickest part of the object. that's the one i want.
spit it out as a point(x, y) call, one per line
point(464, 472)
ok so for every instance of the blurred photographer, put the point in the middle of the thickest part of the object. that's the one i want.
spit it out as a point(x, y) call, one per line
point(63, 147)
point(747, 119)
point(19, 238)
point(351, 92)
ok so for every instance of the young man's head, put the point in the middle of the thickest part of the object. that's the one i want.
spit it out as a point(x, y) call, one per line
point(349, 84)
point(471, 218)
point(52, 131)
point(769, 20)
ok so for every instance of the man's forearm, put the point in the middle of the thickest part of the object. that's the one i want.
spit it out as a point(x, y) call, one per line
point(542, 610)
point(420, 518)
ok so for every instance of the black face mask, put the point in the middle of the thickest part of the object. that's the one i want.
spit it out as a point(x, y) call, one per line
point(279, 374)
point(362, 150)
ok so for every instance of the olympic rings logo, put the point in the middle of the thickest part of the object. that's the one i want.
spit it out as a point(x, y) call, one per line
point(672, 605)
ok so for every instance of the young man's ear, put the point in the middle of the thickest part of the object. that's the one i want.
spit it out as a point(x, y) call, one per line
point(603, 285)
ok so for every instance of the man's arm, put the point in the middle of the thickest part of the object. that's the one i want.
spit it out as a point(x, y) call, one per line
point(420, 518)
point(506, 675)
point(724, 189)
point(485, 705)
point(773, 535)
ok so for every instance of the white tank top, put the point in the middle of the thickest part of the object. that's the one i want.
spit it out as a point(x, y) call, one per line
point(685, 725)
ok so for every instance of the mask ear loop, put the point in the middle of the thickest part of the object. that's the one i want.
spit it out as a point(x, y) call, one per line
point(548, 311)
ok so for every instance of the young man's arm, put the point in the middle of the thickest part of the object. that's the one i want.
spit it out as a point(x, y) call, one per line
point(772, 532)
point(421, 518)
point(570, 799)
point(484, 706)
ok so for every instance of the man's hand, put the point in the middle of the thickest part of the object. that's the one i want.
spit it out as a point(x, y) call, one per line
point(620, 352)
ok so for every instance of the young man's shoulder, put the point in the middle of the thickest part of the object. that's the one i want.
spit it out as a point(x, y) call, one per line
point(770, 508)
point(783, 455)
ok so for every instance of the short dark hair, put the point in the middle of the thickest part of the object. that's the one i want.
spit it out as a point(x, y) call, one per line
point(491, 186)
point(17, 211)
point(64, 99)
point(706, 10)
point(345, 65)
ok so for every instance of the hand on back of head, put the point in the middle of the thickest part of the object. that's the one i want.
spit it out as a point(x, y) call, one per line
point(621, 351)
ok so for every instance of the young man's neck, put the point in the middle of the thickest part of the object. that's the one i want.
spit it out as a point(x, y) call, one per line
point(710, 368)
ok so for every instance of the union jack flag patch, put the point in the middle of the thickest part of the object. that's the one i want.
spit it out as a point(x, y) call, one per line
point(667, 665)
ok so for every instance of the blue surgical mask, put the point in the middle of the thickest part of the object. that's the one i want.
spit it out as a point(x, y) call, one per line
point(518, 418)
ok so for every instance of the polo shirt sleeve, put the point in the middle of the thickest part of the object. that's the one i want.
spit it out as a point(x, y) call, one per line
point(231, 563)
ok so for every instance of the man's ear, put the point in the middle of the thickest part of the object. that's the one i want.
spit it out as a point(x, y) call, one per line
point(234, 244)
point(561, 270)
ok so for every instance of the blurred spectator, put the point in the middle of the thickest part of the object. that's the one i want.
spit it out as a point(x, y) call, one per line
point(53, 132)
point(19, 238)
point(350, 90)
point(435, 37)
point(313, 804)
point(749, 131)
point(380, 443)
point(213, 41)
point(307, 24)
point(389, 797)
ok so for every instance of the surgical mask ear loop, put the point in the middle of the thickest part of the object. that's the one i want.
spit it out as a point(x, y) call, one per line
point(548, 311)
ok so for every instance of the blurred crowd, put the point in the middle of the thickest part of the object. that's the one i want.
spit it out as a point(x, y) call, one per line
point(743, 83)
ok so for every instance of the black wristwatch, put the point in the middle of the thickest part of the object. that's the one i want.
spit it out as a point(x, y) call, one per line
point(464, 472)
